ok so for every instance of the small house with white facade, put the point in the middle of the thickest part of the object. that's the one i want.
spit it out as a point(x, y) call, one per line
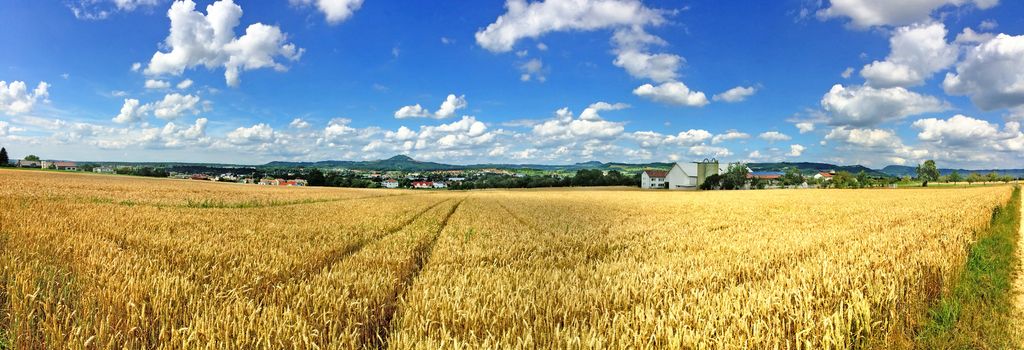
point(653, 179)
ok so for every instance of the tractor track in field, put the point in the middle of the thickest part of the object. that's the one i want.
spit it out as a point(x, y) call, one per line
point(332, 256)
point(379, 332)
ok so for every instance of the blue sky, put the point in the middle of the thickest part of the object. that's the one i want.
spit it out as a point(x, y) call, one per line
point(843, 81)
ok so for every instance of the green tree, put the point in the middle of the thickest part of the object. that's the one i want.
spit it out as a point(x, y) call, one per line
point(844, 179)
point(32, 157)
point(974, 177)
point(4, 160)
point(735, 177)
point(862, 179)
point(954, 177)
point(712, 182)
point(992, 177)
point(792, 177)
point(927, 172)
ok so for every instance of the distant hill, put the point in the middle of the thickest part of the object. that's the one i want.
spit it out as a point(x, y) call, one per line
point(399, 162)
point(808, 168)
point(902, 170)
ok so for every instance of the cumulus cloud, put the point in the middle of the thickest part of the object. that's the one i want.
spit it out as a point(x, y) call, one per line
point(175, 105)
point(796, 150)
point(532, 20)
point(209, 40)
point(867, 106)
point(565, 126)
point(804, 127)
point(449, 106)
point(631, 46)
point(185, 84)
point(736, 94)
point(917, 52)
point(336, 11)
point(774, 136)
point(259, 133)
point(730, 135)
point(131, 111)
point(157, 84)
point(992, 73)
point(961, 130)
point(675, 93)
point(298, 123)
point(591, 112)
point(865, 137)
point(15, 98)
point(710, 151)
point(869, 13)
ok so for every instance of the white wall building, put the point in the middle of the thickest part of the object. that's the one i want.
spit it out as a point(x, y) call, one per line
point(389, 183)
point(686, 176)
point(653, 179)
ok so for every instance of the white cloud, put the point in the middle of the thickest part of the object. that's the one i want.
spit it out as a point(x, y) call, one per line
point(847, 73)
point(796, 150)
point(736, 94)
point(957, 130)
point(542, 46)
point(672, 92)
point(447, 41)
point(866, 137)
point(867, 106)
point(774, 136)
point(532, 20)
point(209, 40)
point(992, 73)
point(336, 11)
point(918, 52)
point(591, 112)
point(259, 133)
point(136, 66)
point(631, 54)
point(298, 123)
point(448, 107)
point(566, 127)
point(532, 69)
point(969, 37)
point(804, 127)
point(868, 13)
point(185, 84)
point(689, 137)
point(15, 98)
point(175, 105)
point(131, 112)
point(730, 135)
point(157, 84)
point(5, 128)
point(988, 24)
point(101, 9)
point(710, 151)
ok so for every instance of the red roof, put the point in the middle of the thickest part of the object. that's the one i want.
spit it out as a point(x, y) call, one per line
point(656, 173)
point(825, 174)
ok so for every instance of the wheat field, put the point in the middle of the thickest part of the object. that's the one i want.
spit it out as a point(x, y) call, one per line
point(104, 262)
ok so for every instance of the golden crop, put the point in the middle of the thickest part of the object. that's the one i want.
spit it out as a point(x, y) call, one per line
point(96, 262)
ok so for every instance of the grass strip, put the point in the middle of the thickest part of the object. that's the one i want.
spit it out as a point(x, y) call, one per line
point(976, 314)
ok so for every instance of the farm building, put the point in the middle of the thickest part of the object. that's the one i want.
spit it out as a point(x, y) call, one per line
point(28, 164)
point(49, 164)
point(824, 175)
point(689, 176)
point(389, 183)
point(653, 179)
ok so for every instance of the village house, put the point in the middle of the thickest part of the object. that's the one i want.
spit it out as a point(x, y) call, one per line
point(825, 175)
point(422, 184)
point(103, 170)
point(49, 164)
point(653, 179)
point(389, 183)
point(439, 184)
point(456, 179)
point(28, 164)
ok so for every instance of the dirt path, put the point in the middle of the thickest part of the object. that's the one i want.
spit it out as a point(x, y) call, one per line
point(1018, 286)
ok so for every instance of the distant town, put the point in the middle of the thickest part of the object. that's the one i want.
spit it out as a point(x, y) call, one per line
point(404, 172)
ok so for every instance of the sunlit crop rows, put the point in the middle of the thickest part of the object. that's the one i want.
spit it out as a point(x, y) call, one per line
point(336, 268)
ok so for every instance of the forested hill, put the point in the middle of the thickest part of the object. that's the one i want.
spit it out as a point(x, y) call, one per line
point(902, 170)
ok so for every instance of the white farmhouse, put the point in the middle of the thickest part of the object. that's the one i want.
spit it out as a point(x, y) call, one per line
point(653, 179)
point(689, 176)
point(389, 183)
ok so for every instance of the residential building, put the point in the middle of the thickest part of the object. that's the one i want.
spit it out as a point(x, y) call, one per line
point(103, 170)
point(824, 175)
point(439, 184)
point(422, 184)
point(389, 183)
point(653, 179)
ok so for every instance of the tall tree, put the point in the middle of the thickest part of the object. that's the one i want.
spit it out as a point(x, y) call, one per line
point(955, 177)
point(792, 177)
point(32, 157)
point(4, 160)
point(927, 172)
